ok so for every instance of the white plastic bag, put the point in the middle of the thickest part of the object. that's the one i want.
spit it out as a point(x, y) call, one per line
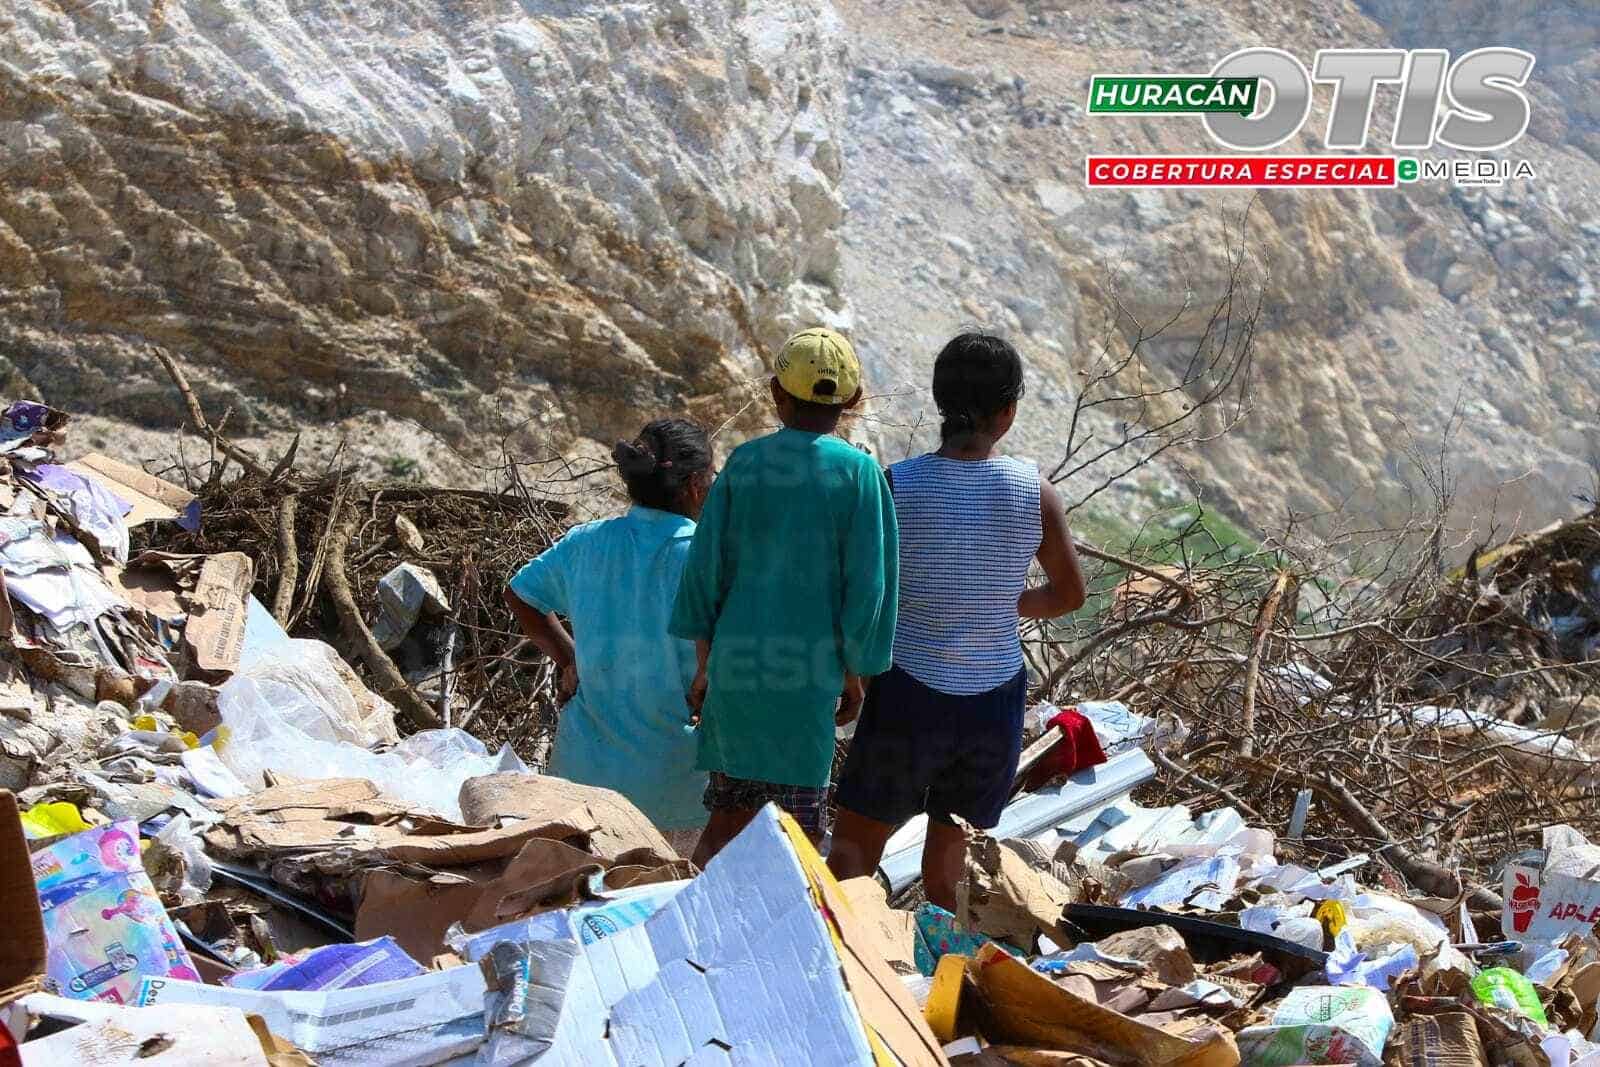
point(425, 770)
point(308, 689)
point(183, 842)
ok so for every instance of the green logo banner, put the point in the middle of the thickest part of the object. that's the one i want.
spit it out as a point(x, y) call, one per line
point(1172, 96)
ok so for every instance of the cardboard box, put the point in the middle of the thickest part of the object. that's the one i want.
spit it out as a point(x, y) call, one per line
point(153, 499)
point(22, 944)
point(761, 959)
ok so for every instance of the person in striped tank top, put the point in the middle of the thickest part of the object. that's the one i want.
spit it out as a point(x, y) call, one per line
point(941, 731)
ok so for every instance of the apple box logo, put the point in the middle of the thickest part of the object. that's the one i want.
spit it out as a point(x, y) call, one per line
point(1524, 903)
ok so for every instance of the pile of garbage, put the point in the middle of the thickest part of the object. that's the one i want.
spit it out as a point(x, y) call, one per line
point(1356, 695)
point(263, 836)
point(403, 579)
point(552, 924)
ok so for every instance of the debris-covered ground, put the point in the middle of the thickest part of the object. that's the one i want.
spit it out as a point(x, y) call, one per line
point(268, 760)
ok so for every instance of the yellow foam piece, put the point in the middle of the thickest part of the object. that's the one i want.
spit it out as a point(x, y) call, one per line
point(53, 820)
point(944, 998)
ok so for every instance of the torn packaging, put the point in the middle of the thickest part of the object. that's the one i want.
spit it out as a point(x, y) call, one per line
point(85, 506)
point(611, 823)
point(1005, 898)
point(761, 959)
point(153, 499)
point(1562, 898)
point(895, 930)
point(104, 923)
point(420, 875)
point(1446, 1040)
point(1159, 952)
point(418, 911)
point(213, 591)
point(429, 1019)
point(22, 944)
point(303, 817)
point(1023, 1007)
point(1322, 1024)
point(179, 1036)
point(352, 815)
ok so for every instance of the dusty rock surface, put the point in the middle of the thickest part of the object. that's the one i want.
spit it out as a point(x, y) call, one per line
point(424, 230)
point(414, 225)
point(1384, 312)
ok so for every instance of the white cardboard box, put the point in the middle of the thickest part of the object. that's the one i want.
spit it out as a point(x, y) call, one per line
point(757, 961)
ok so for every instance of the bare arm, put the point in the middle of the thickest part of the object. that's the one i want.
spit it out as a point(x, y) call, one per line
point(548, 634)
point(1063, 591)
point(696, 697)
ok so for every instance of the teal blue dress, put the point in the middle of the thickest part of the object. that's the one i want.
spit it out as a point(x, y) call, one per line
point(625, 728)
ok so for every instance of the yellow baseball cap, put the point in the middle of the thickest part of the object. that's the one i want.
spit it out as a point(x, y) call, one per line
point(820, 366)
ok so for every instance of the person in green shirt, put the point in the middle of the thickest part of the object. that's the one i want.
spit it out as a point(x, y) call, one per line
point(789, 594)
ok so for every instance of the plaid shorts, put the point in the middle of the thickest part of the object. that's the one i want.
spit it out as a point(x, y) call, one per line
point(808, 804)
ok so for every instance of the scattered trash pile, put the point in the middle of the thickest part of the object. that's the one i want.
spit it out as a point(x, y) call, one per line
point(405, 580)
point(320, 920)
point(214, 808)
point(1372, 702)
point(1132, 934)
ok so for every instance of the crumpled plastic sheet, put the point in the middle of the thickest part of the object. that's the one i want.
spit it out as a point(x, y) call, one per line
point(270, 725)
point(301, 681)
point(96, 509)
point(181, 837)
point(1348, 965)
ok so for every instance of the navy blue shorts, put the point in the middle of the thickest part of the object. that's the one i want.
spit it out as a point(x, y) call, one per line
point(917, 749)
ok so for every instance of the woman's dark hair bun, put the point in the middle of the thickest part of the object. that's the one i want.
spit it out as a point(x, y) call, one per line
point(634, 458)
point(976, 375)
point(658, 463)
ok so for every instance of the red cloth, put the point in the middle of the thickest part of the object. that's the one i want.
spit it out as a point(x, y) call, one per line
point(9, 1056)
point(1077, 749)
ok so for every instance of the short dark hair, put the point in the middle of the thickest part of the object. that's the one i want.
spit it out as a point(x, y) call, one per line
point(976, 375)
point(658, 463)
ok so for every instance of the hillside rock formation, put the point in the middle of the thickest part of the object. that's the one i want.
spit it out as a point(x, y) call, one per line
point(421, 228)
point(1385, 313)
point(487, 218)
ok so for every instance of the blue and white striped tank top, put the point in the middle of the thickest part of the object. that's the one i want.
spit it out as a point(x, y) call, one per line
point(968, 531)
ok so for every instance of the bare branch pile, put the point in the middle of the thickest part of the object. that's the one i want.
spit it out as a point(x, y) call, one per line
point(1439, 720)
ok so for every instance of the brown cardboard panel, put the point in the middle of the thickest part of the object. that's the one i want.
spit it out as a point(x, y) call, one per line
point(217, 610)
point(22, 944)
point(153, 499)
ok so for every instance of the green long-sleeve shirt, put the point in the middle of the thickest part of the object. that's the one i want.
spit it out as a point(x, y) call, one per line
point(793, 577)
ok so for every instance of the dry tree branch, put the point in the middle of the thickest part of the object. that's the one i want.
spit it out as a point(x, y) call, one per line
point(336, 581)
point(288, 560)
point(1264, 621)
point(1219, 362)
point(198, 417)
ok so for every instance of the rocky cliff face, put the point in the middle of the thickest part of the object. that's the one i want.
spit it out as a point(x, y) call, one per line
point(484, 218)
point(543, 220)
point(1384, 313)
